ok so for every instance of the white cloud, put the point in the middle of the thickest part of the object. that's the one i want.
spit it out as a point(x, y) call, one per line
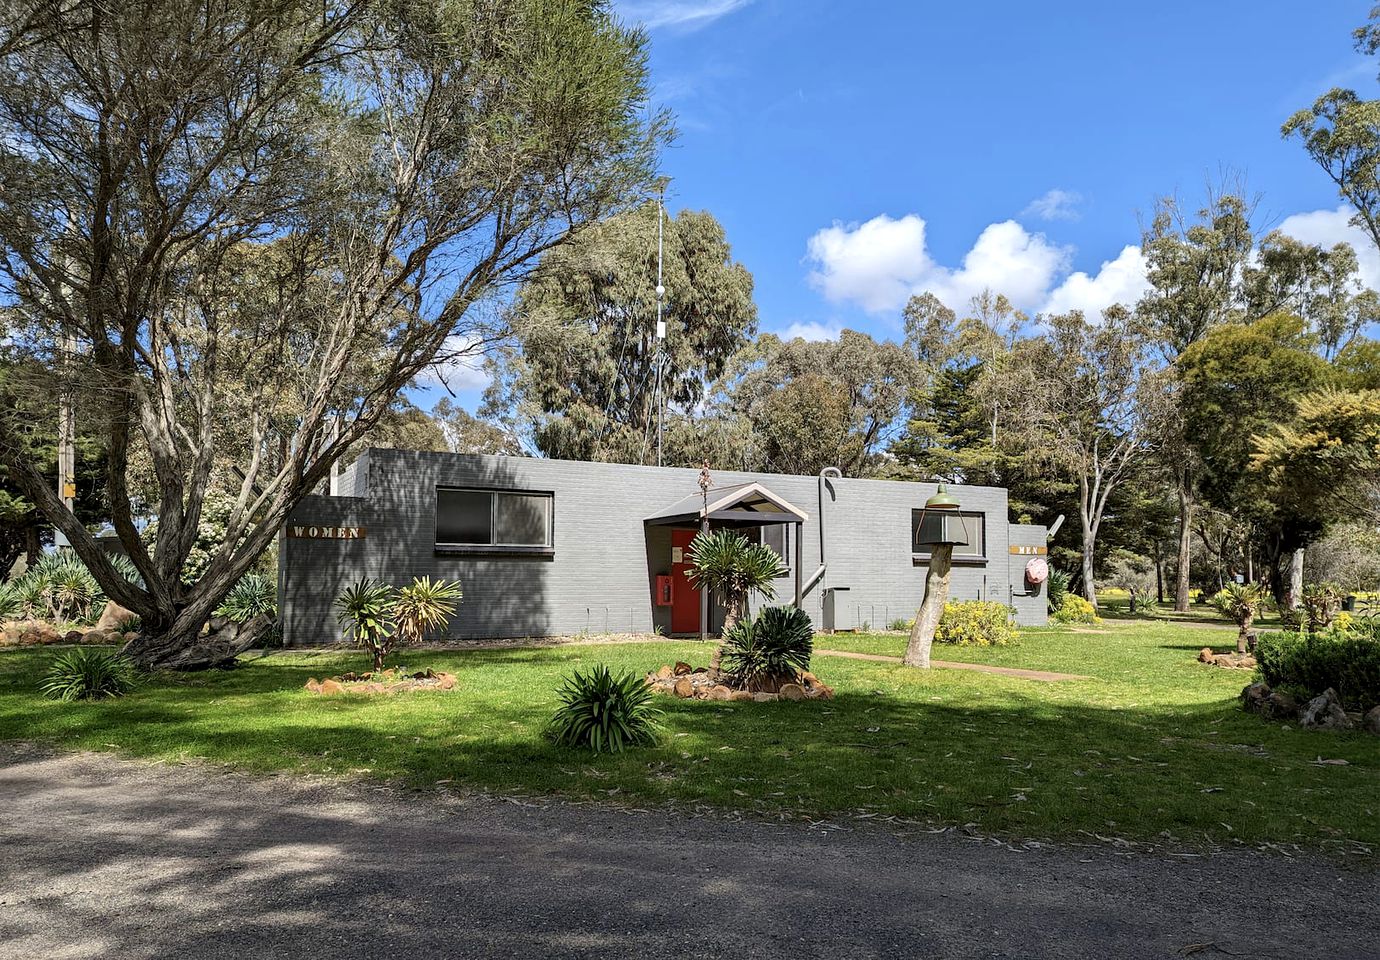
point(1330, 227)
point(686, 14)
point(1056, 204)
point(1117, 281)
point(810, 330)
point(459, 366)
point(880, 264)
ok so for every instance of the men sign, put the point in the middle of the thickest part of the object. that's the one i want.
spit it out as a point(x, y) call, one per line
point(298, 531)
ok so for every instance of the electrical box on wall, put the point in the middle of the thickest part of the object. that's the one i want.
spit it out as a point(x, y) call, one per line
point(665, 590)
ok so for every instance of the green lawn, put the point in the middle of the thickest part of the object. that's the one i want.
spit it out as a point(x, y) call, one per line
point(1154, 746)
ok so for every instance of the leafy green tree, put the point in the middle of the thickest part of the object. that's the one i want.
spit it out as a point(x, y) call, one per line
point(579, 374)
point(265, 219)
point(466, 433)
point(1093, 410)
point(1239, 381)
point(816, 404)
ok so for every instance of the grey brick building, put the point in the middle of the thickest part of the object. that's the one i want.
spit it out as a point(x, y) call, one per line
point(552, 547)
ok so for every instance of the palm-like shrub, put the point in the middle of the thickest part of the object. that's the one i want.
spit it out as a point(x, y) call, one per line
point(776, 644)
point(366, 609)
point(424, 606)
point(11, 603)
point(1321, 604)
point(253, 595)
point(88, 674)
point(1241, 602)
point(734, 567)
point(1058, 589)
point(604, 713)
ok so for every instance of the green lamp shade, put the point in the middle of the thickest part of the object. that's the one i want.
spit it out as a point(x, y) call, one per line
point(942, 500)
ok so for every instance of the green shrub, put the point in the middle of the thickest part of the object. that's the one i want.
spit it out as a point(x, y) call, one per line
point(1308, 663)
point(253, 595)
point(1075, 609)
point(604, 713)
point(424, 606)
point(11, 603)
point(88, 674)
point(366, 608)
point(900, 625)
point(976, 623)
point(778, 642)
point(1058, 589)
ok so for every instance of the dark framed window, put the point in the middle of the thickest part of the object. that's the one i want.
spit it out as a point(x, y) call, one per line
point(928, 522)
point(494, 519)
point(777, 536)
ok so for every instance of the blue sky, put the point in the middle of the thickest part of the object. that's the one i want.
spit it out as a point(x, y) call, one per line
point(859, 152)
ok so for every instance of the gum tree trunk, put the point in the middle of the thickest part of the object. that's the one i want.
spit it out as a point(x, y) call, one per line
point(931, 607)
point(1185, 546)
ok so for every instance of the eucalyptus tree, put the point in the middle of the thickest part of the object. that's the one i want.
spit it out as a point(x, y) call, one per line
point(579, 374)
point(236, 225)
point(1093, 408)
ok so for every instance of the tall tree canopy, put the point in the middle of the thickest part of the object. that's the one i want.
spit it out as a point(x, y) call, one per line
point(234, 225)
point(579, 375)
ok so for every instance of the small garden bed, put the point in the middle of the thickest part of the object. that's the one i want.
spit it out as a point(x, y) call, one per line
point(382, 681)
point(691, 683)
point(1230, 661)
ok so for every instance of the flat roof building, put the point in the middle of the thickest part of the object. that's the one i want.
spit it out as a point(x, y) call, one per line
point(557, 547)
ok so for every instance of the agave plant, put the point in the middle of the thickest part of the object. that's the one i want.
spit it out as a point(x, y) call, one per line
point(1058, 589)
point(775, 645)
point(734, 567)
point(11, 603)
point(88, 674)
point(424, 606)
point(604, 713)
point(253, 595)
point(1241, 602)
point(366, 608)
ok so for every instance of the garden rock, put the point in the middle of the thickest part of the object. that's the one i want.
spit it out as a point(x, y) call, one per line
point(740, 695)
point(1279, 706)
point(73, 636)
point(330, 687)
point(791, 691)
point(664, 672)
point(681, 668)
point(684, 688)
point(763, 697)
point(720, 692)
point(1324, 712)
point(1371, 723)
point(1255, 695)
point(113, 616)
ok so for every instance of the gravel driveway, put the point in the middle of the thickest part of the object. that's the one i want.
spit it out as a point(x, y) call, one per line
point(108, 858)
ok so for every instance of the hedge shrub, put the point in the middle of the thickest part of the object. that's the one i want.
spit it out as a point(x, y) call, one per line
point(1075, 609)
point(1307, 664)
point(976, 623)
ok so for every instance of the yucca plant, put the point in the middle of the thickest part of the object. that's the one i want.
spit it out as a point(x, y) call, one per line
point(1241, 602)
point(11, 603)
point(776, 644)
point(88, 674)
point(424, 606)
point(366, 608)
point(253, 595)
point(734, 567)
point(1058, 589)
point(604, 713)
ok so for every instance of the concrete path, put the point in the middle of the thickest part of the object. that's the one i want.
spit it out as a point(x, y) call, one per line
point(1043, 675)
point(102, 858)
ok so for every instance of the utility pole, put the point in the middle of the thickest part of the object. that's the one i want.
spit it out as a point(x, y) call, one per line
point(67, 422)
point(660, 321)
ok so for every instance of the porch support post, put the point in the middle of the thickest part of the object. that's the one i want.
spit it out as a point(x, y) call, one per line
point(799, 593)
point(704, 594)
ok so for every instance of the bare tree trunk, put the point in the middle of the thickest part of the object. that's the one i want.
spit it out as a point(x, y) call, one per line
point(185, 647)
point(1243, 633)
point(1089, 587)
point(1185, 545)
point(1159, 572)
point(931, 607)
point(1295, 595)
point(731, 616)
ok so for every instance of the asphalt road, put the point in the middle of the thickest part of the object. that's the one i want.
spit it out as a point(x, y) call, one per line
point(107, 858)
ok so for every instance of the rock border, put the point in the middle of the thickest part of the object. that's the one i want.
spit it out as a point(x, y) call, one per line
point(386, 682)
point(696, 683)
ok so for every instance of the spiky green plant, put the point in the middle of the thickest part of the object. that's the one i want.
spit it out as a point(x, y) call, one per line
point(734, 567)
point(775, 644)
point(88, 674)
point(1242, 603)
point(423, 606)
point(366, 608)
point(1058, 589)
point(11, 603)
point(604, 713)
point(253, 595)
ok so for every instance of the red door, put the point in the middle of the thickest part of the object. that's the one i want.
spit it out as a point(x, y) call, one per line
point(685, 599)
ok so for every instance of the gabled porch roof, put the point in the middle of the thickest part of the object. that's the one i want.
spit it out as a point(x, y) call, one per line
point(742, 504)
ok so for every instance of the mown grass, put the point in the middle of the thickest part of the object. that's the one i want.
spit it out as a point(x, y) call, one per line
point(1152, 746)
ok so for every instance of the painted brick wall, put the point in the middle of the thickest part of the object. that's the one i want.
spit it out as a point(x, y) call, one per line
point(601, 576)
